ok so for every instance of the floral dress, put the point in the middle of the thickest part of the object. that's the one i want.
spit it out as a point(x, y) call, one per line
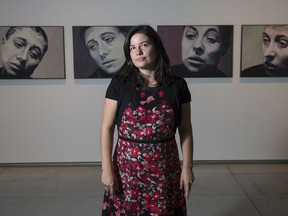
point(146, 159)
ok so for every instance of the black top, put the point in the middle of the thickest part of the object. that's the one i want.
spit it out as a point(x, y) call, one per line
point(123, 92)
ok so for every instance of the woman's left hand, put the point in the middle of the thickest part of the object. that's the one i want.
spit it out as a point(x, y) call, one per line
point(186, 180)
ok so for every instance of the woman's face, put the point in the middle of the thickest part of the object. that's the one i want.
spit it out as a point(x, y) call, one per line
point(105, 45)
point(142, 52)
point(22, 52)
point(202, 47)
point(275, 50)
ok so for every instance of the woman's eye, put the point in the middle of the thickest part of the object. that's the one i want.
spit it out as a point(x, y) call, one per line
point(266, 41)
point(19, 44)
point(92, 46)
point(283, 44)
point(34, 55)
point(190, 36)
point(211, 40)
point(144, 45)
point(108, 39)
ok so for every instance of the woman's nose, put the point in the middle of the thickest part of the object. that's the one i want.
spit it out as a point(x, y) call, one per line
point(22, 55)
point(269, 51)
point(103, 50)
point(138, 51)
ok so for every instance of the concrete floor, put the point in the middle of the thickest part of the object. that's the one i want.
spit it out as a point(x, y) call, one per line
point(219, 190)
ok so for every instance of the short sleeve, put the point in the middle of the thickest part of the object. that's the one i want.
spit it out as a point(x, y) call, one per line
point(185, 92)
point(113, 89)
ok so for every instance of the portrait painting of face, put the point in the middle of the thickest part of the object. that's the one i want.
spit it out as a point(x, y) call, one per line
point(203, 50)
point(24, 48)
point(104, 44)
point(269, 58)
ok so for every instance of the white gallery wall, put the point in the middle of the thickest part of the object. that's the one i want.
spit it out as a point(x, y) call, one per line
point(59, 120)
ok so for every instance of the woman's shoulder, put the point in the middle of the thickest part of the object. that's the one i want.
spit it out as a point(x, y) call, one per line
point(178, 80)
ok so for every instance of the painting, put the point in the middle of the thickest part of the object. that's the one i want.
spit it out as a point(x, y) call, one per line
point(199, 50)
point(264, 51)
point(32, 52)
point(98, 50)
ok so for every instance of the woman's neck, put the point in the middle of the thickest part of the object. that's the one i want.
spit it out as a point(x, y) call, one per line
point(149, 77)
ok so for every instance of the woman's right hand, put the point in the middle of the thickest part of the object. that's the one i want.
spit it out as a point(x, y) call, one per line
point(110, 181)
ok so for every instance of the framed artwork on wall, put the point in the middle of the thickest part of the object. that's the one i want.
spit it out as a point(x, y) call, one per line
point(32, 52)
point(199, 50)
point(98, 50)
point(264, 51)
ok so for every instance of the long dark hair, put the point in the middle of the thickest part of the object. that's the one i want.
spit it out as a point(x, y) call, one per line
point(131, 73)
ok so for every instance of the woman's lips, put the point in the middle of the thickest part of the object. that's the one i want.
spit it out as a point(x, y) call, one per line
point(195, 60)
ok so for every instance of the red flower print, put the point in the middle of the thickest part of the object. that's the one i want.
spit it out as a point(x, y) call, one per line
point(156, 195)
point(129, 112)
point(152, 166)
point(135, 193)
point(135, 152)
point(142, 119)
point(152, 207)
point(152, 118)
point(147, 157)
point(136, 166)
point(161, 93)
point(133, 182)
point(156, 155)
point(149, 131)
point(147, 197)
point(140, 110)
point(142, 94)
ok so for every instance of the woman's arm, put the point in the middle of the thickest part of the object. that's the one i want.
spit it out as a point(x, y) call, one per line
point(106, 144)
point(186, 140)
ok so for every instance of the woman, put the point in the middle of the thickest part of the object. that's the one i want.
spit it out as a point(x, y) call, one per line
point(105, 45)
point(275, 52)
point(202, 50)
point(148, 104)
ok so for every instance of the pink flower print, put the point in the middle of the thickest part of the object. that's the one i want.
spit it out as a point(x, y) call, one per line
point(149, 99)
point(105, 204)
point(161, 93)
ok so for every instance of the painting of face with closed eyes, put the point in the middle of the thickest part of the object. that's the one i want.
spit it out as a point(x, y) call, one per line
point(272, 58)
point(105, 47)
point(204, 50)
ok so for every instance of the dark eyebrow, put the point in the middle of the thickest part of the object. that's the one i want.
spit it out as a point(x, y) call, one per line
point(192, 27)
point(212, 30)
point(107, 33)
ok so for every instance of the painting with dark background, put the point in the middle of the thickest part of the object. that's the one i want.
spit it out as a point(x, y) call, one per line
point(199, 50)
point(98, 50)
